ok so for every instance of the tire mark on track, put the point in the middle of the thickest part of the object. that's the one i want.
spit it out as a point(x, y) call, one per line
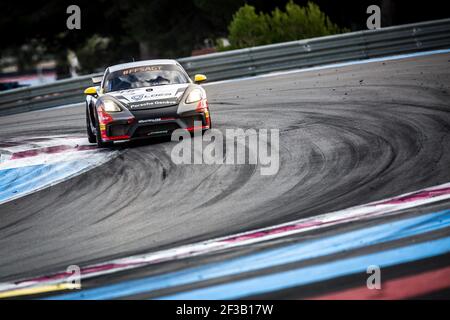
point(382, 139)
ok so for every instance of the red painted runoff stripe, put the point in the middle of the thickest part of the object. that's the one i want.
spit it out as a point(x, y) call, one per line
point(50, 150)
point(396, 289)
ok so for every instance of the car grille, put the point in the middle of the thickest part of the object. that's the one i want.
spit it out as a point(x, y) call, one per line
point(156, 129)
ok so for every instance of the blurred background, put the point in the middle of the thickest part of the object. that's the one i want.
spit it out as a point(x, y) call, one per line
point(37, 47)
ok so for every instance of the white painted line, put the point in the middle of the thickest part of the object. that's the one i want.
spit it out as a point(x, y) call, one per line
point(46, 161)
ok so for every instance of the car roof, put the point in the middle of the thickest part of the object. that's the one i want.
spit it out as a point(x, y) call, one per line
point(143, 63)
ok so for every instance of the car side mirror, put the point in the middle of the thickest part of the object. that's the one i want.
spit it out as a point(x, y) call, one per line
point(199, 78)
point(91, 91)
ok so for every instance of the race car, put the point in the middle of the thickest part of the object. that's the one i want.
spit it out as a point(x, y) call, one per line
point(142, 100)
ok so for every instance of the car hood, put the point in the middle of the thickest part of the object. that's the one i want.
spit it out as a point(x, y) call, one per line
point(151, 97)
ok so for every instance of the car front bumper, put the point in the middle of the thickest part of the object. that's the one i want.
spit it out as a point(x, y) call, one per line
point(154, 123)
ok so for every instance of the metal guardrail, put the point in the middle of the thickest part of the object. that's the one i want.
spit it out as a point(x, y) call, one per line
point(330, 49)
point(258, 60)
point(44, 96)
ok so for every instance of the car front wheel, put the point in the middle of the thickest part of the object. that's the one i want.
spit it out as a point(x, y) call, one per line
point(91, 136)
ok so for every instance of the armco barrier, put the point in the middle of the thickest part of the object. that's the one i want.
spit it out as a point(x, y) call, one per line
point(257, 60)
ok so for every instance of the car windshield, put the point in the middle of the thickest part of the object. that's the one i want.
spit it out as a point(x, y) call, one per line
point(146, 76)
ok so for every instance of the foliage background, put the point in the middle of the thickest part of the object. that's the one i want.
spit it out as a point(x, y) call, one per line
point(250, 28)
point(114, 31)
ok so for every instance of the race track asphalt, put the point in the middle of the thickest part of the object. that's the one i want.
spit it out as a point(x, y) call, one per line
point(348, 136)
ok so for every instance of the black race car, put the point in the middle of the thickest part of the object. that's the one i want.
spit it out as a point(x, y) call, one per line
point(144, 99)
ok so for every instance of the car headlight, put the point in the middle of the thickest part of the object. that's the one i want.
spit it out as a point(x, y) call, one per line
point(110, 106)
point(195, 95)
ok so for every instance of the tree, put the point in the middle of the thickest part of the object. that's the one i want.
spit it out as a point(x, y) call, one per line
point(173, 28)
point(114, 31)
point(43, 23)
point(249, 28)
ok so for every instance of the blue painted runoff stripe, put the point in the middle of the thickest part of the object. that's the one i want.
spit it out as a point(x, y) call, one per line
point(16, 181)
point(272, 257)
point(322, 272)
point(19, 181)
